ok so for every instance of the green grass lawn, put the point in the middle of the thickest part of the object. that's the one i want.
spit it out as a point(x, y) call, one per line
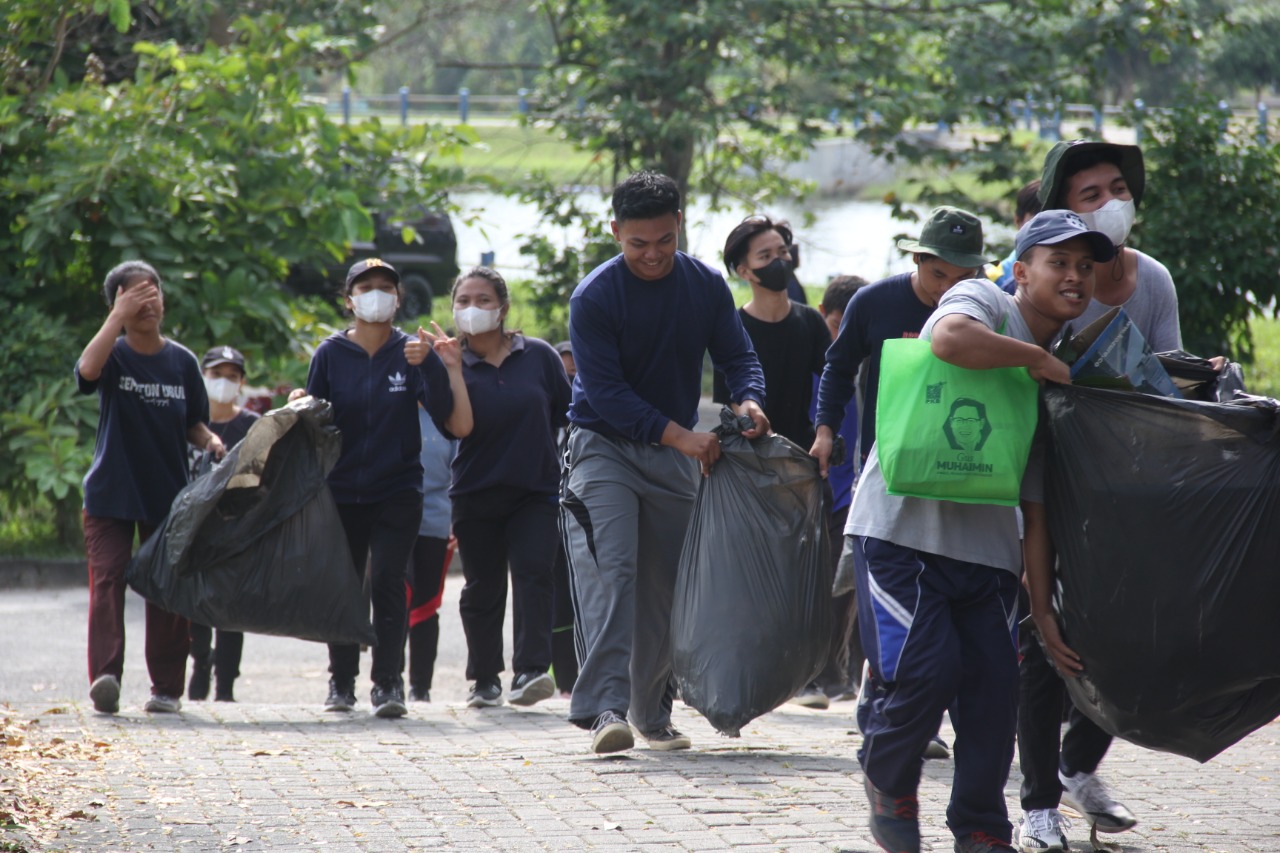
point(1263, 376)
point(509, 153)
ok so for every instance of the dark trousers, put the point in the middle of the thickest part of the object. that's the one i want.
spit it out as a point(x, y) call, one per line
point(381, 536)
point(108, 544)
point(427, 570)
point(496, 529)
point(225, 658)
point(940, 633)
point(844, 658)
point(1040, 701)
point(564, 655)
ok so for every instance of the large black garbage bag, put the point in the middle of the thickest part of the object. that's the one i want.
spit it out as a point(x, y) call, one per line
point(257, 544)
point(1164, 514)
point(751, 622)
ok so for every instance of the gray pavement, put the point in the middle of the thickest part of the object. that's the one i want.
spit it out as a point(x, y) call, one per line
point(273, 772)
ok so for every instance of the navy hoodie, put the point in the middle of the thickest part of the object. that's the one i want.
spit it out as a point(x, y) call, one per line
point(375, 405)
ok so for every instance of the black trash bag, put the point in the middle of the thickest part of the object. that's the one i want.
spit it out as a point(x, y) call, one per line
point(1163, 513)
point(257, 544)
point(1110, 352)
point(1196, 378)
point(751, 620)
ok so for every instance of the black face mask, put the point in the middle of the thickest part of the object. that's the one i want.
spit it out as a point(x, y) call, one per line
point(776, 276)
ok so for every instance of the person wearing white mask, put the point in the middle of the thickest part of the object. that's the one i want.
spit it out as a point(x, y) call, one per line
point(223, 368)
point(506, 481)
point(374, 375)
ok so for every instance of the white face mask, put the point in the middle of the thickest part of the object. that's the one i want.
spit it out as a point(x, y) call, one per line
point(476, 321)
point(222, 390)
point(1114, 219)
point(374, 306)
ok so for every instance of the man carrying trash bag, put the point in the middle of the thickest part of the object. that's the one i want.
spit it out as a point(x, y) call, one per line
point(256, 544)
point(938, 559)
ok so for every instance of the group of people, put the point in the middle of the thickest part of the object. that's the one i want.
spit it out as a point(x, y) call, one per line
point(573, 470)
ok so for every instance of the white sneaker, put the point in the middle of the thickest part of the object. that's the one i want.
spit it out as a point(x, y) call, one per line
point(1086, 794)
point(811, 697)
point(160, 704)
point(1043, 829)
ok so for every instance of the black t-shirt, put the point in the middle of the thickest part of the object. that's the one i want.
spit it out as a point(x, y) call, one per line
point(791, 352)
point(231, 432)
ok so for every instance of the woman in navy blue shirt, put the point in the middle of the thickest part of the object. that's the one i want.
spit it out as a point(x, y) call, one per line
point(506, 479)
point(375, 375)
point(153, 405)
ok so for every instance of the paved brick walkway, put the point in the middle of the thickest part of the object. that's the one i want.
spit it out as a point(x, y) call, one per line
point(287, 777)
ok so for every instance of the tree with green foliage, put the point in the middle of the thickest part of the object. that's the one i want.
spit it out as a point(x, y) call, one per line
point(202, 156)
point(1209, 215)
point(1248, 49)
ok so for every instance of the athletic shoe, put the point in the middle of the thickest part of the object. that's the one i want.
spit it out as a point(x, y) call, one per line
point(105, 693)
point(1042, 829)
point(1086, 793)
point(667, 739)
point(419, 694)
point(895, 824)
point(388, 700)
point(980, 842)
point(530, 688)
point(198, 686)
point(485, 694)
point(610, 733)
point(342, 697)
point(812, 697)
point(937, 748)
point(224, 693)
point(161, 704)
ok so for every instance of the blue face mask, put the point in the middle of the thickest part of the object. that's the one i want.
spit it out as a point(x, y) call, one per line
point(775, 276)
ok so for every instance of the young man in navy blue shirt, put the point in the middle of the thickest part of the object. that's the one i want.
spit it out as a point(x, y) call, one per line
point(640, 325)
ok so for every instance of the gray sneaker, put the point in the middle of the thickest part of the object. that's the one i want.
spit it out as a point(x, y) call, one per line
point(1086, 794)
point(161, 704)
point(530, 688)
point(611, 734)
point(105, 693)
point(667, 739)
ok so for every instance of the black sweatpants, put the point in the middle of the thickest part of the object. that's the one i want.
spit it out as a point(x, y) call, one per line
point(380, 535)
point(503, 529)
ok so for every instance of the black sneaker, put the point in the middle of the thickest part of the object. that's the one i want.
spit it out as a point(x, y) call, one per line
point(610, 733)
point(530, 688)
point(419, 694)
point(224, 693)
point(342, 696)
point(981, 842)
point(388, 700)
point(486, 693)
point(667, 739)
point(198, 687)
point(895, 824)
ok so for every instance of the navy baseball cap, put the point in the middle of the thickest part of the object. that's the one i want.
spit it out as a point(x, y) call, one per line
point(359, 268)
point(1050, 227)
point(222, 355)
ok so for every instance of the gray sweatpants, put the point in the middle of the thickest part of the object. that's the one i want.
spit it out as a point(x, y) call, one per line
point(624, 509)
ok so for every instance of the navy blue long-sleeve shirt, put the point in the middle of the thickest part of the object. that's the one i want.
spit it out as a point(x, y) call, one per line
point(375, 405)
point(638, 346)
point(887, 309)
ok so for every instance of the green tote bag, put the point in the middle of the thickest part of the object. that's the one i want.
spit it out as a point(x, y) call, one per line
point(948, 433)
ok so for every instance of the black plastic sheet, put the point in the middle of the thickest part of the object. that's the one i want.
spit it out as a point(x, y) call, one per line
point(257, 544)
point(751, 621)
point(1164, 516)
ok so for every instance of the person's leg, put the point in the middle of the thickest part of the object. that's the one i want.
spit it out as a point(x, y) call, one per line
point(985, 711)
point(167, 644)
point(1084, 744)
point(201, 662)
point(666, 504)
point(108, 546)
point(344, 658)
point(391, 539)
point(532, 536)
point(428, 571)
point(227, 664)
point(482, 544)
point(564, 658)
point(834, 678)
point(904, 613)
point(599, 508)
point(1040, 697)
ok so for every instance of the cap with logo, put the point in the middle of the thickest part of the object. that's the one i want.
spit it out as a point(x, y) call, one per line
point(359, 268)
point(952, 234)
point(222, 355)
point(1050, 227)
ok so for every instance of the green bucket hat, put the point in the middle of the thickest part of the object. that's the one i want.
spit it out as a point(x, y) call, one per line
point(952, 234)
point(1061, 155)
